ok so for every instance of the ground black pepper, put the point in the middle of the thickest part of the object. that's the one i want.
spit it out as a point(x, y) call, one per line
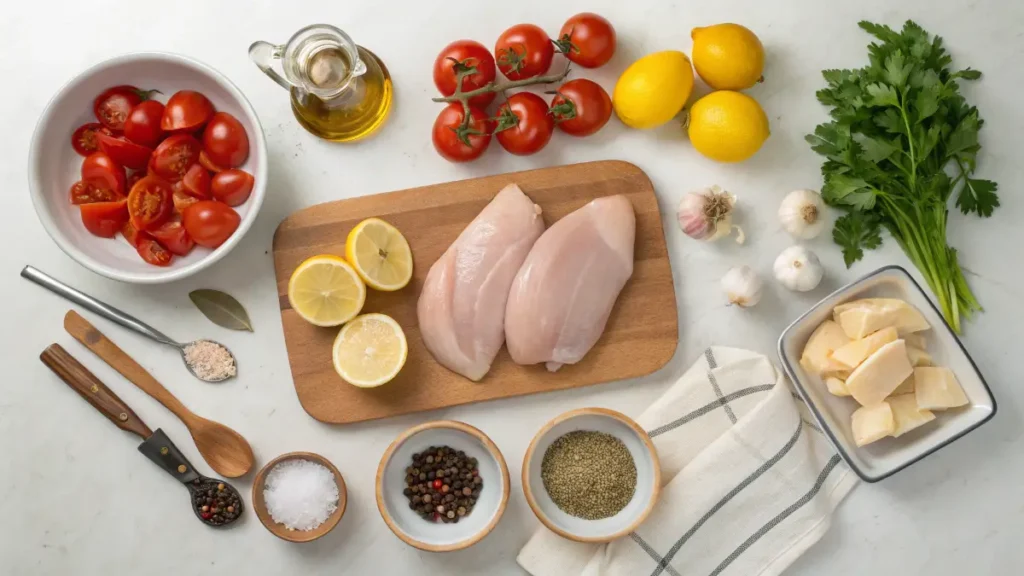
point(437, 484)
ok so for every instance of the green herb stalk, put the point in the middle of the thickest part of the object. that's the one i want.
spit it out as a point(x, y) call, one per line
point(901, 142)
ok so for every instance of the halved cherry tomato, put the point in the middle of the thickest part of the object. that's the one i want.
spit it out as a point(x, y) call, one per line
point(113, 105)
point(225, 140)
point(587, 39)
point(150, 202)
point(581, 107)
point(153, 253)
point(99, 168)
point(461, 55)
point(205, 162)
point(456, 147)
point(104, 218)
point(143, 123)
point(186, 111)
point(181, 199)
point(174, 156)
point(232, 187)
point(124, 151)
point(210, 223)
point(172, 235)
point(83, 140)
point(132, 234)
point(523, 51)
point(524, 125)
point(89, 191)
point(196, 182)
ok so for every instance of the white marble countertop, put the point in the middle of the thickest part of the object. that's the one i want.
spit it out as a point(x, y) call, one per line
point(76, 497)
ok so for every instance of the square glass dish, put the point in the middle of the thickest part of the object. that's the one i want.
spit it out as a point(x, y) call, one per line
point(887, 456)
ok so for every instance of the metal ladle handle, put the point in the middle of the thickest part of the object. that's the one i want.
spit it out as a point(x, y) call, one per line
point(93, 305)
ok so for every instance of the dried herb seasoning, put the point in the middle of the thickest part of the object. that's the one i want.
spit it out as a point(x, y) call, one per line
point(589, 475)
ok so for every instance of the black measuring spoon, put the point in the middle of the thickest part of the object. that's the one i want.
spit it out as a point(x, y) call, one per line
point(214, 502)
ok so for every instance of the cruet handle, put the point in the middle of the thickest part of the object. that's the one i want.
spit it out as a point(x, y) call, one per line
point(263, 55)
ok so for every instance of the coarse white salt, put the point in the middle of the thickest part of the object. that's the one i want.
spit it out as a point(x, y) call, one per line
point(300, 494)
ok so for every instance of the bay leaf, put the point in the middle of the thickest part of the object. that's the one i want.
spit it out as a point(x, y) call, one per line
point(222, 309)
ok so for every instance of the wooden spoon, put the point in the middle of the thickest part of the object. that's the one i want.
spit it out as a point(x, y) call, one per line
point(223, 449)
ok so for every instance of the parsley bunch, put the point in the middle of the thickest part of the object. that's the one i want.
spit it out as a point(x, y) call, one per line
point(901, 142)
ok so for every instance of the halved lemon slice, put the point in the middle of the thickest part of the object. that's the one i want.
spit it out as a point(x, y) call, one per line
point(380, 255)
point(326, 291)
point(370, 350)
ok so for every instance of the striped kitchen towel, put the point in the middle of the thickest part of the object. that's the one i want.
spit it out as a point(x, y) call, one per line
point(750, 482)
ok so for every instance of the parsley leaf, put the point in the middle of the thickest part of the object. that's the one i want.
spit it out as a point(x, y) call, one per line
point(978, 196)
point(856, 231)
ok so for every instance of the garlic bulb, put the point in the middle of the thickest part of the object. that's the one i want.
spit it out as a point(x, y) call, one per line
point(706, 214)
point(802, 214)
point(743, 286)
point(798, 269)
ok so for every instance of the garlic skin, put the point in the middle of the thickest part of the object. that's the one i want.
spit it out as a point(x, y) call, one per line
point(802, 214)
point(706, 214)
point(742, 286)
point(798, 269)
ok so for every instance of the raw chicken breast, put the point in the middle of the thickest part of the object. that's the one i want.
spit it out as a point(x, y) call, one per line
point(462, 306)
point(563, 294)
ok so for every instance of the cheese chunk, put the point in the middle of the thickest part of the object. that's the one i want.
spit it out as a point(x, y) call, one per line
point(836, 386)
point(918, 357)
point(871, 423)
point(854, 353)
point(907, 415)
point(862, 317)
point(880, 374)
point(937, 389)
point(917, 340)
point(907, 387)
point(825, 338)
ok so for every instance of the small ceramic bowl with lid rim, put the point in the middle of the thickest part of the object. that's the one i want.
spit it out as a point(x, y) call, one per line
point(648, 475)
point(436, 536)
point(282, 531)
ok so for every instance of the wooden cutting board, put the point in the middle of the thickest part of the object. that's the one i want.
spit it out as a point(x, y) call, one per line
point(640, 337)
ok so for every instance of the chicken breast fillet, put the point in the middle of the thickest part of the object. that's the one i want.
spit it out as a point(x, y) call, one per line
point(462, 306)
point(563, 294)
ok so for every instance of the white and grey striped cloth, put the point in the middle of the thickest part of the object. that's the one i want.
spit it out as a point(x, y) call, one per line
point(749, 481)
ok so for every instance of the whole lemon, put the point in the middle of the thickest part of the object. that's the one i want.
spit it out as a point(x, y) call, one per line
point(653, 89)
point(727, 56)
point(727, 126)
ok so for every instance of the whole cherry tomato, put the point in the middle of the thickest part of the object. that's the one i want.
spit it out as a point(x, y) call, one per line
point(524, 125)
point(113, 105)
point(523, 51)
point(232, 187)
point(174, 156)
point(457, 143)
point(104, 218)
point(581, 107)
point(149, 203)
point(210, 223)
point(100, 169)
point(83, 140)
point(152, 252)
point(172, 235)
point(89, 191)
point(124, 151)
point(186, 111)
point(462, 55)
point(587, 39)
point(143, 123)
point(225, 140)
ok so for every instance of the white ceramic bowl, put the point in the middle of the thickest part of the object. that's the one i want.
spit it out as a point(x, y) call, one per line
point(53, 166)
point(887, 456)
point(648, 475)
point(440, 537)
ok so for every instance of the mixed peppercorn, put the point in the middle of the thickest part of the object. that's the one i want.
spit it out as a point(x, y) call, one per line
point(216, 502)
point(442, 484)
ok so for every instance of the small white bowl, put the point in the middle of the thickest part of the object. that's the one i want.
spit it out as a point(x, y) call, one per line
point(648, 475)
point(440, 537)
point(887, 456)
point(53, 166)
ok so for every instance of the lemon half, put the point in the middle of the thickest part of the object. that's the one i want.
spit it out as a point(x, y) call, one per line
point(370, 350)
point(380, 255)
point(326, 291)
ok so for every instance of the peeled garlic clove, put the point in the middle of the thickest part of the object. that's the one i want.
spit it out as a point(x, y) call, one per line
point(802, 214)
point(743, 286)
point(798, 269)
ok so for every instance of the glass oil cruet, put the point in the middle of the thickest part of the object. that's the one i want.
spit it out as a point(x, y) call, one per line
point(339, 91)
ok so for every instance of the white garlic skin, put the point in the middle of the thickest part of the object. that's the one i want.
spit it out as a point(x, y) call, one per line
point(802, 214)
point(798, 269)
point(706, 214)
point(743, 286)
point(691, 217)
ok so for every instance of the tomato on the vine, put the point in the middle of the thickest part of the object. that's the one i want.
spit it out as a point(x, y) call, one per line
point(210, 223)
point(523, 51)
point(114, 104)
point(149, 203)
point(100, 169)
point(581, 107)
point(460, 56)
point(104, 218)
point(143, 123)
point(124, 151)
point(587, 39)
point(524, 125)
point(186, 111)
point(458, 143)
point(83, 140)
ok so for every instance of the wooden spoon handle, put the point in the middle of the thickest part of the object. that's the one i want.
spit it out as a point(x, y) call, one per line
point(88, 386)
point(119, 360)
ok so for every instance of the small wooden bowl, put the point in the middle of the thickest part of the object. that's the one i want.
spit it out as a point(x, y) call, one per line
point(279, 530)
point(648, 468)
point(440, 537)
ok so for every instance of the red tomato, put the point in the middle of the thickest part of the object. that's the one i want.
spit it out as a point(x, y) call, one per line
point(186, 111)
point(134, 177)
point(581, 107)
point(100, 169)
point(89, 191)
point(461, 55)
point(143, 123)
point(174, 156)
point(152, 252)
point(83, 140)
point(524, 125)
point(457, 145)
point(205, 162)
point(210, 223)
point(196, 182)
point(225, 141)
point(587, 39)
point(149, 202)
point(182, 200)
point(523, 51)
point(114, 104)
point(132, 234)
point(124, 151)
point(172, 235)
point(104, 218)
point(232, 187)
